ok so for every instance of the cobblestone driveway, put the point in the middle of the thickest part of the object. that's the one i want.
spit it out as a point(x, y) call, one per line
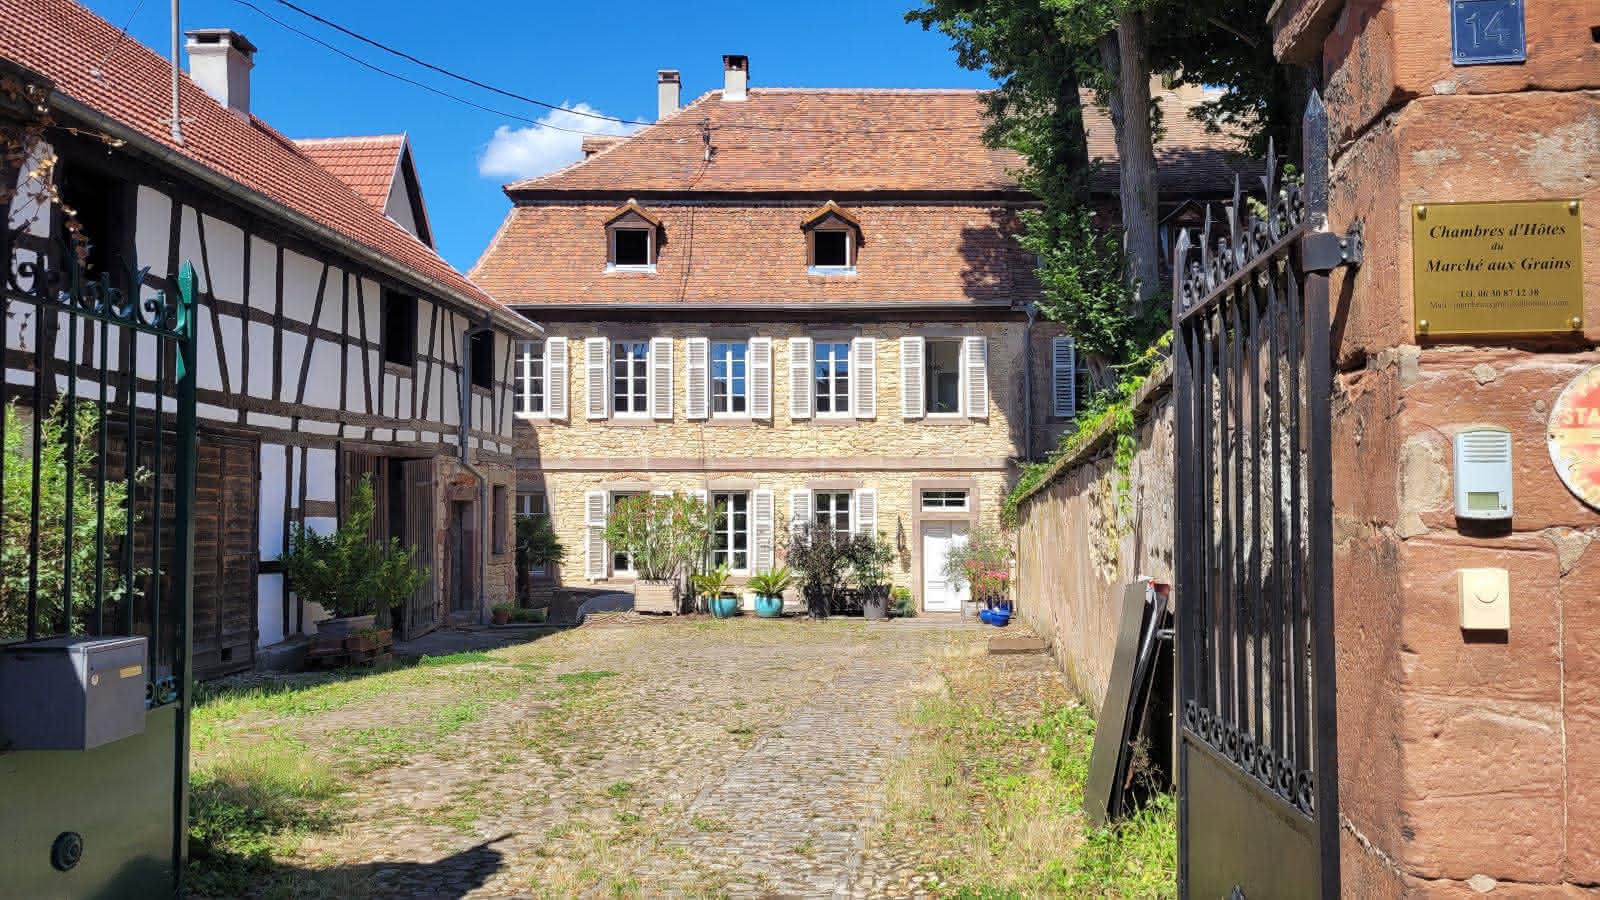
point(742, 758)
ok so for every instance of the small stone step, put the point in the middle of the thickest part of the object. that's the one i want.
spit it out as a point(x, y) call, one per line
point(1015, 645)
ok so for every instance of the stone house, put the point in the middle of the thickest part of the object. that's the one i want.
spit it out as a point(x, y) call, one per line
point(333, 341)
point(798, 304)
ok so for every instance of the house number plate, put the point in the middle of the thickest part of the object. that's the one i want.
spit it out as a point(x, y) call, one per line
point(1486, 31)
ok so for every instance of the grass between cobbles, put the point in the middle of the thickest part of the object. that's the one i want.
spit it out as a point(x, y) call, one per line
point(990, 800)
point(259, 787)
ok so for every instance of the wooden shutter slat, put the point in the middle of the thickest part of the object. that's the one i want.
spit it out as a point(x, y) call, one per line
point(594, 521)
point(763, 530)
point(911, 400)
point(1063, 377)
point(596, 399)
point(555, 381)
point(696, 400)
point(975, 356)
point(866, 511)
point(799, 509)
point(864, 377)
point(801, 382)
point(760, 378)
point(661, 377)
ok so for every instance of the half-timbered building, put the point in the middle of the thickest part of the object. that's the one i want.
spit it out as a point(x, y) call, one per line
point(333, 341)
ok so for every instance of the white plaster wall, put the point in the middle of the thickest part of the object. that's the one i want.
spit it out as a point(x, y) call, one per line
point(300, 277)
point(189, 248)
point(269, 615)
point(154, 211)
point(322, 381)
point(273, 482)
point(332, 315)
point(225, 256)
point(263, 274)
point(261, 358)
point(321, 475)
point(294, 346)
point(398, 206)
point(209, 372)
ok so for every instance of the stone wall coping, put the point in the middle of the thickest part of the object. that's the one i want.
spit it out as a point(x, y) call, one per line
point(1156, 386)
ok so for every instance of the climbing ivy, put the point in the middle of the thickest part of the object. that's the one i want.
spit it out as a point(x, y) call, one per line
point(1110, 409)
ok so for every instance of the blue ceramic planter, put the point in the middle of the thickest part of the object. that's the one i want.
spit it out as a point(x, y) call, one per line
point(725, 606)
point(769, 606)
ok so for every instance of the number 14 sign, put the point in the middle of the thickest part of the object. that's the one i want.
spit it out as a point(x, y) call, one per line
point(1486, 31)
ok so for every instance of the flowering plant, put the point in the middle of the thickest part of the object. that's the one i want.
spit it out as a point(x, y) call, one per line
point(984, 562)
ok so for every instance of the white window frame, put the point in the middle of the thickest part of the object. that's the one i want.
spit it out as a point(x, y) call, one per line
point(712, 360)
point(632, 360)
point(961, 378)
point(832, 512)
point(849, 374)
point(649, 265)
point(726, 519)
point(945, 495)
point(522, 379)
point(849, 267)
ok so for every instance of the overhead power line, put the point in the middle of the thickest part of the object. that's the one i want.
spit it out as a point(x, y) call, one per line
point(349, 32)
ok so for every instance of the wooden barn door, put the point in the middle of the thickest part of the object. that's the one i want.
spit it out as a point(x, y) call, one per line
point(225, 556)
point(421, 614)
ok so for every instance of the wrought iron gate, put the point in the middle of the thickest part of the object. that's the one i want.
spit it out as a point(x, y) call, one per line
point(1258, 786)
point(99, 405)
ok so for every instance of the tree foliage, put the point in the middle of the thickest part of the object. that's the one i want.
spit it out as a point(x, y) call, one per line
point(663, 534)
point(49, 520)
point(347, 572)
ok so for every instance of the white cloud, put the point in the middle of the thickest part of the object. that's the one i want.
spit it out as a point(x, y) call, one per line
point(526, 152)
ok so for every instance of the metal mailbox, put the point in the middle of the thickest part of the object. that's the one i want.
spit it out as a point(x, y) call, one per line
point(72, 693)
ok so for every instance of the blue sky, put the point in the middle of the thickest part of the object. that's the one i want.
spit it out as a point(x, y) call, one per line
point(603, 55)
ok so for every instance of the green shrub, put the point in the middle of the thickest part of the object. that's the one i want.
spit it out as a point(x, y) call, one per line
point(346, 572)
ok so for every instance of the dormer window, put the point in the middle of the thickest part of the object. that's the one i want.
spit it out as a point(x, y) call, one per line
point(832, 236)
point(632, 237)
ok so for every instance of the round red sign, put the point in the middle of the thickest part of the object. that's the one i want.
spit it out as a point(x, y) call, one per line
point(1575, 436)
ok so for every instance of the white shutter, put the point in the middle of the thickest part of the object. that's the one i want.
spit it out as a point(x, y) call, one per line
point(799, 509)
point(1064, 377)
point(866, 511)
point(696, 399)
point(801, 383)
point(661, 377)
point(596, 397)
point(555, 377)
point(864, 377)
point(911, 403)
point(975, 356)
point(763, 531)
point(594, 520)
point(760, 383)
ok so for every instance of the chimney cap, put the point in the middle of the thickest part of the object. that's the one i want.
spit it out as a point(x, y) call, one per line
point(219, 36)
point(735, 61)
point(666, 76)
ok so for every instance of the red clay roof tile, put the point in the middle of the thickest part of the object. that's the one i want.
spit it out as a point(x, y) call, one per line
point(366, 164)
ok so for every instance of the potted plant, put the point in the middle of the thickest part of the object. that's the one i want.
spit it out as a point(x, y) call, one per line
point(537, 548)
point(769, 588)
point(870, 558)
point(712, 588)
point(820, 556)
point(502, 613)
point(662, 534)
point(346, 572)
point(983, 563)
point(904, 606)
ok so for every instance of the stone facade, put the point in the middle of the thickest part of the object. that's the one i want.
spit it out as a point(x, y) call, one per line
point(1466, 760)
point(888, 453)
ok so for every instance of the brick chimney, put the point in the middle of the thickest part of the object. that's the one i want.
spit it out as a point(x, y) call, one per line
point(735, 76)
point(668, 92)
point(220, 60)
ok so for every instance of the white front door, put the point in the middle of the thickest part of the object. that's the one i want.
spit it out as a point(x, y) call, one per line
point(938, 595)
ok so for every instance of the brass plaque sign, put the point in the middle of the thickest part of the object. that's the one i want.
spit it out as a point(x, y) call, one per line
point(1575, 436)
point(1497, 268)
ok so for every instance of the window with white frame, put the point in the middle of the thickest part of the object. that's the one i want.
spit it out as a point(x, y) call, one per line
point(832, 510)
point(730, 530)
point(630, 377)
point(528, 379)
point(534, 503)
point(942, 375)
point(833, 377)
point(830, 248)
point(621, 563)
point(944, 499)
point(729, 381)
point(630, 248)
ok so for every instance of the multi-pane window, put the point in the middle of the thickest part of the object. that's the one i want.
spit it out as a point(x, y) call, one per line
point(730, 531)
point(632, 247)
point(831, 249)
point(528, 377)
point(942, 374)
point(534, 503)
point(949, 499)
point(833, 377)
point(621, 563)
point(728, 378)
point(832, 510)
point(630, 363)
